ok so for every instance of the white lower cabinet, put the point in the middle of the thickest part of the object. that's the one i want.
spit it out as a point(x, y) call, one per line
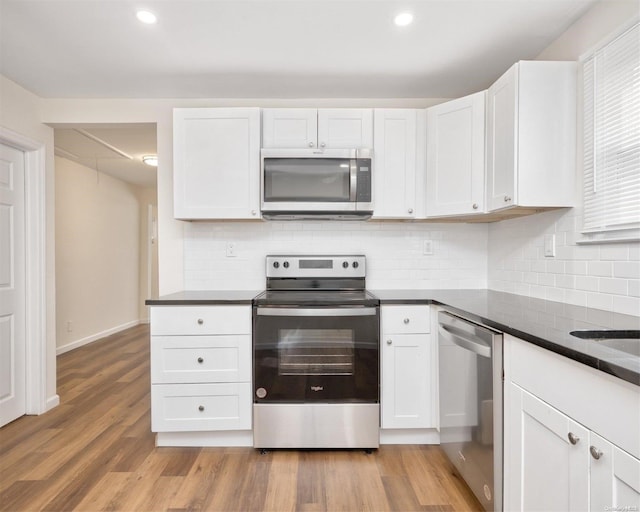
point(407, 375)
point(554, 462)
point(201, 375)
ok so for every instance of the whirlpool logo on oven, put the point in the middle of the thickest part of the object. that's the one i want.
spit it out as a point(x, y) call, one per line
point(317, 388)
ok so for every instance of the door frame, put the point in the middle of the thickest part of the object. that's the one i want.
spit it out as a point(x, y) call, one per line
point(35, 269)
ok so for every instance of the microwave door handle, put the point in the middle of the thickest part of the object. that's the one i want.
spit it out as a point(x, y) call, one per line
point(353, 179)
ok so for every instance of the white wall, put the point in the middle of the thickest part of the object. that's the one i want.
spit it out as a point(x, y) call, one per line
point(603, 276)
point(20, 112)
point(394, 252)
point(148, 279)
point(97, 255)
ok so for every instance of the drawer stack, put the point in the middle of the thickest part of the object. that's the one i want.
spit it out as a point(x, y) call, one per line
point(200, 368)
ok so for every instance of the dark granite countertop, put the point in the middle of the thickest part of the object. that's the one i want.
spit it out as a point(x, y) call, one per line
point(541, 322)
point(204, 298)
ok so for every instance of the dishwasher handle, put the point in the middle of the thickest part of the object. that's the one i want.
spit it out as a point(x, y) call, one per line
point(457, 337)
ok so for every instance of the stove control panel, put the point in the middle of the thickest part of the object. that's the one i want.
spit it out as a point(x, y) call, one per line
point(348, 265)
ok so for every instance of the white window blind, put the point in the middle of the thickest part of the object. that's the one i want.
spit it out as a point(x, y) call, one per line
point(612, 137)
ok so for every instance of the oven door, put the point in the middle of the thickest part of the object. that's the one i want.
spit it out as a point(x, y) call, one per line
point(316, 354)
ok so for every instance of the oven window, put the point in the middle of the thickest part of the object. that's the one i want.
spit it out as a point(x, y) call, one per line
point(316, 352)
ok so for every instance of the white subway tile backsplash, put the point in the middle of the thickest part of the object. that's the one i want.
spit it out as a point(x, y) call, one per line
point(394, 252)
point(600, 276)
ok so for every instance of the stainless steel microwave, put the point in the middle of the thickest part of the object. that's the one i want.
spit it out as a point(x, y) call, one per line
point(317, 184)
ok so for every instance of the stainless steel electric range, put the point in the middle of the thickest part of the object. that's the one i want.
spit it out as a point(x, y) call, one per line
point(316, 355)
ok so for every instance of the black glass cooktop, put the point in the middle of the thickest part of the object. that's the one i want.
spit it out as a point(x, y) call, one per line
point(316, 298)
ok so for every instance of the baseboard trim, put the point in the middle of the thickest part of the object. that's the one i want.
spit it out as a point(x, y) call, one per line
point(52, 401)
point(94, 337)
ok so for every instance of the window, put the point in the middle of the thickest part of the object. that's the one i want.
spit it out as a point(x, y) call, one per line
point(612, 140)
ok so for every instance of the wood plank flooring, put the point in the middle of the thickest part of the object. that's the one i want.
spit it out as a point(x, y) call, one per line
point(96, 452)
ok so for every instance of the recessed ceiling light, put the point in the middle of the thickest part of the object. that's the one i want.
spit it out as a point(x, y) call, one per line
point(403, 19)
point(146, 17)
point(151, 160)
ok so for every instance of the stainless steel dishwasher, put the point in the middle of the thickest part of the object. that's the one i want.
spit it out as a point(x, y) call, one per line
point(470, 366)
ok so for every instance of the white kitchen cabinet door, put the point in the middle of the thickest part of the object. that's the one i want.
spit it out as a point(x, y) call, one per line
point(345, 128)
point(289, 128)
point(456, 157)
point(395, 149)
point(405, 399)
point(216, 163)
point(549, 459)
point(615, 477)
point(531, 136)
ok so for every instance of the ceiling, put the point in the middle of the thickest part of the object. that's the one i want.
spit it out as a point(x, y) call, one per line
point(113, 149)
point(272, 48)
point(259, 49)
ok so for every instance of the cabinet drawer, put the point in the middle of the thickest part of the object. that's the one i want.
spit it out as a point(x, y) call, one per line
point(199, 407)
point(191, 359)
point(193, 320)
point(402, 319)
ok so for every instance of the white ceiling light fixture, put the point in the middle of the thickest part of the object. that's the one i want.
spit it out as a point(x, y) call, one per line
point(151, 160)
point(403, 19)
point(146, 17)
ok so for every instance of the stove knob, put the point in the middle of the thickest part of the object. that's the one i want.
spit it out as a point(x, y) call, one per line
point(285, 264)
point(345, 264)
point(355, 264)
point(276, 264)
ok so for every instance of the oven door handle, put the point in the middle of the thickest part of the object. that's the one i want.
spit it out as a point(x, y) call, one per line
point(316, 311)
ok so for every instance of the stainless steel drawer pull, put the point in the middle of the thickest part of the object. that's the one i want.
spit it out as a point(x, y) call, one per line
point(389, 342)
point(595, 453)
point(406, 320)
point(201, 408)
point(573, 439)
point(200, 360)
point(200, 321)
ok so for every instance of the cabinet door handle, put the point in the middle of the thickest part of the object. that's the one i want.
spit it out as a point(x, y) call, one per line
point(389, 342)
point(406, 320)
point(201, 408)
point(410, 210)
point(200, 360)
point(253, 212)
point(595, 453)
point(322, 144)
point(573, 439)
point(200, 321)
point(311, 144)
point(507, 199)
point(475, 206)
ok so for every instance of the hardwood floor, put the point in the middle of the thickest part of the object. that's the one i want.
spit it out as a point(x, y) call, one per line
point(96, 452)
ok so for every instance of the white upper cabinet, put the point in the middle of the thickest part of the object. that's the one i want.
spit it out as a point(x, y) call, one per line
point(398, 162)
point(336, 128)
point(289, 128)
point(456, 157)
point(216, 163)
point(531, 136)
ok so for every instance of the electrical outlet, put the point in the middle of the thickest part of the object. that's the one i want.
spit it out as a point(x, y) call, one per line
point(549, 246)
point(427, 247)
point(69, 326)
point(231, 250)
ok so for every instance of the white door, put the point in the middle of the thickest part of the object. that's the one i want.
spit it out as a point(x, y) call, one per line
point(394, 146)
point(216, 163)
point(502, 155)
point(345, 128)
point(455, 156)
point(615, 477)
point(289, 128)
point(549, 458)
point(12, 285)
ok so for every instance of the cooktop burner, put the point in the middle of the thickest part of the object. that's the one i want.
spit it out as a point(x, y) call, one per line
point(326, 280)
point(315, 298)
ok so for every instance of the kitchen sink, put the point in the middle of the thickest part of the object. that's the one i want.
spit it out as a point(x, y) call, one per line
point(624, 340)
